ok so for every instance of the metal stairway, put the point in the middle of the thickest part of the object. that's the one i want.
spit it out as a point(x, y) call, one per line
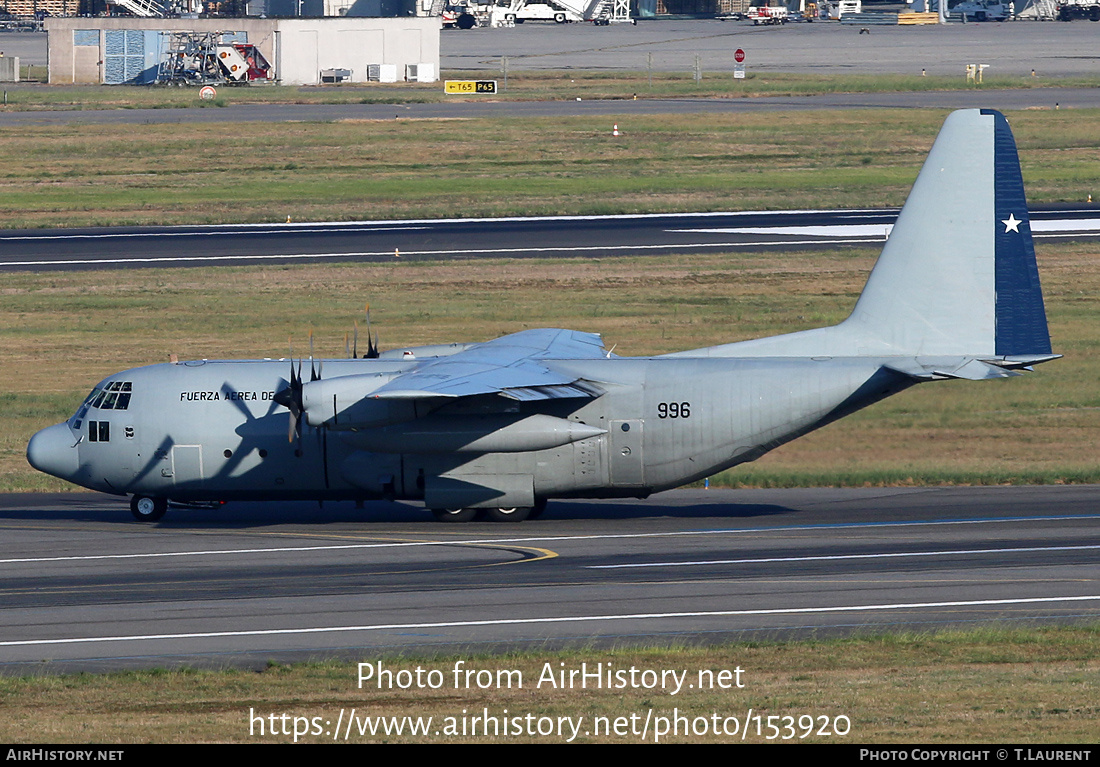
point(146, 9)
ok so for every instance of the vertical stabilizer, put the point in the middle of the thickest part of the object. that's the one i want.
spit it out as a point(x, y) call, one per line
point(957, 275)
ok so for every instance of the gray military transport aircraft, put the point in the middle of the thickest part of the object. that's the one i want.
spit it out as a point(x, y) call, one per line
point(501, 426)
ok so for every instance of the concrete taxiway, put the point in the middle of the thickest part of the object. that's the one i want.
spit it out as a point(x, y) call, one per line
point(85, 587)
point(437, 239)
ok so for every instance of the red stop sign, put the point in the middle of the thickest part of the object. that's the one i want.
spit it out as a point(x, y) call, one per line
point(739, 55)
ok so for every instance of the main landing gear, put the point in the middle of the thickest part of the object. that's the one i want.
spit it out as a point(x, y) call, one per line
point(504, 514)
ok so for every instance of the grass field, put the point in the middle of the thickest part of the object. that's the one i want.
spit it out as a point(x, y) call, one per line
point(75, 175)
point(984, 686)
point(517, 86)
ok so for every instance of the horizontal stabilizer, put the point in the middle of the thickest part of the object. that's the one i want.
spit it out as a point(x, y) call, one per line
point(938, 368)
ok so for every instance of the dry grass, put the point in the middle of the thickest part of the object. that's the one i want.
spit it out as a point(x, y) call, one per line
point(539, 85)
point(70, 176)
point(985, 686)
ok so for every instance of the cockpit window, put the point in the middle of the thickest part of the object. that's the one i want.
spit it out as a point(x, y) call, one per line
point(115, 395)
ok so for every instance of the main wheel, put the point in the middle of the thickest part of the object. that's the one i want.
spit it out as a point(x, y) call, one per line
point(513, 514)
point(454, 515)
point(146, 509)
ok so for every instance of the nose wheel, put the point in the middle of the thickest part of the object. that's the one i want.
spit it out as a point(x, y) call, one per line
point(147, 509)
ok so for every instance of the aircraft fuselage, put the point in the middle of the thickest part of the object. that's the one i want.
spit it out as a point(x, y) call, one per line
point(212, 431)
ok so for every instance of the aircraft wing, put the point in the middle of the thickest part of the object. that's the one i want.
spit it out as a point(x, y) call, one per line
point(513, 366)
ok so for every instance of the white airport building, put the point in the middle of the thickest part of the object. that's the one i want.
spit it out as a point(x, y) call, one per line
point(300, 51)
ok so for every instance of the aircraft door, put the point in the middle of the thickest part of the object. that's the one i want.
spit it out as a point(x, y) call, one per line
point(187, 465)
point(625, 448)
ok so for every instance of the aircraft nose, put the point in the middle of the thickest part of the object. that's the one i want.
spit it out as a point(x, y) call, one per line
point(52, 451)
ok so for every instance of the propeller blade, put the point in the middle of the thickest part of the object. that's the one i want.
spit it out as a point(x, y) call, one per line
point(290, 397)
point(313, 375)
point(372, 345)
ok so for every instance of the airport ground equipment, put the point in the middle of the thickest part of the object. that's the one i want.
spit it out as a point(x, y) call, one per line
point(508, 12)
point(768, 15)
point(982, 10)
point(1068, 10)
point(152, 9)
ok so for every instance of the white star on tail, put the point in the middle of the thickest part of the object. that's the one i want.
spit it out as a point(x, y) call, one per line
point(1012, 224)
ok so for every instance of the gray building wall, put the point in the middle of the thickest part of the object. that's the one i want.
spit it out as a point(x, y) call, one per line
point(102, 50)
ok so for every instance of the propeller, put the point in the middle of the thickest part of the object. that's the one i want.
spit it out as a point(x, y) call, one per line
point(372, 345)
point(314, 372)
point(291, 396)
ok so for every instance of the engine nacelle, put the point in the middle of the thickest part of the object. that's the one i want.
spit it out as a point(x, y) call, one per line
point(344, 403)
point(474, 434)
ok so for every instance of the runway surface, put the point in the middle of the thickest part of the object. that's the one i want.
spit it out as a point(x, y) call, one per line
point(84, 587)
point(560, 236)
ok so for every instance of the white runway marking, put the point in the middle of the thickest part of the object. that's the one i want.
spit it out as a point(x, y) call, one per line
point(569, 619)
point(1067, 225)
point(882, 231)
point(202, 233)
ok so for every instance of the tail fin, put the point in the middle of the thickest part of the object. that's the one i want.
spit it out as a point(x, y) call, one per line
point(957, 277)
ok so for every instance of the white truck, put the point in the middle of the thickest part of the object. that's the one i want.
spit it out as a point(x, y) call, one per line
point(505, 13)
point(547, 12)
point(1068, 10)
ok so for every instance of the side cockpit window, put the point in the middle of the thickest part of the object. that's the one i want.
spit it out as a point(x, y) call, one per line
point(114, 396)
point(82, 411)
